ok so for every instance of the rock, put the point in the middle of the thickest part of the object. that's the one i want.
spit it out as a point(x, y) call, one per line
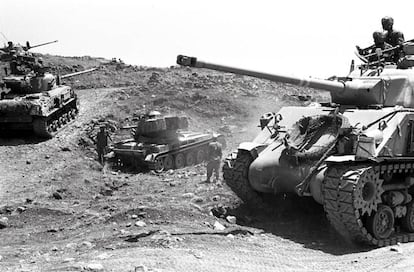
point(4, 222)
point(103, 256)
point(28, 162)
point(56, 195)
point(65, 148)
point(140, 224)
point(197, 199)
point(94, 267)
point(1, 258)
point(218, 226)
point(216, 198)
point(188, 195)
point(47, 157)
point(106, 191)
point(21, 209)
point(87, 244)
point(68, 260)
point(140, 268)
point(128, 224)
point(134, 216)
point(231, 219)
point(54, 249)
point(29, 200)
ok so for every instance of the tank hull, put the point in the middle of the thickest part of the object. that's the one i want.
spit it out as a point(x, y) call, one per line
point(190, 148)
point(44, 114)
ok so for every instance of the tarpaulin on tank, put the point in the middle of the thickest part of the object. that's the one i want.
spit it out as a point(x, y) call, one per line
point(13, 107)
point(399, 90)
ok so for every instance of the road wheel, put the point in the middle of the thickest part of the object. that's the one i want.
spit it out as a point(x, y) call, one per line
point(159, 165)
point(179, 160)
point(408, 219)
point(381, 223)
point(201, 156)
point(168, 162)
point(190, 158)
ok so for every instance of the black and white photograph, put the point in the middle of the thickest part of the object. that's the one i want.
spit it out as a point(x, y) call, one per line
point(158, 136)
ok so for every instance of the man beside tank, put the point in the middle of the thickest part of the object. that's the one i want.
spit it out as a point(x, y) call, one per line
point(102, 143)
point(213, 159)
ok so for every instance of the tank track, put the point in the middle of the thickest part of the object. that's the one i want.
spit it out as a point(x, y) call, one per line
point(48, 126)
point(343, 211)
point(235, 175)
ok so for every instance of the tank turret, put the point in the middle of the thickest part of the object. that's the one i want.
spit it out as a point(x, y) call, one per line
point(381, 87)
point(354, 156)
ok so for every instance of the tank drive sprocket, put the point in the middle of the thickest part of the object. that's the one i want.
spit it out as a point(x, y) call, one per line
point(352, 202)
point(235, 174)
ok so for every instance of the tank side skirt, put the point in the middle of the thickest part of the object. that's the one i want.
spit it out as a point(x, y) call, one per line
point(338, 191)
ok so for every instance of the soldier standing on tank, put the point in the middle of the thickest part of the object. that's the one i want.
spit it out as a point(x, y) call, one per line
point(102, 143)
point(213, 159)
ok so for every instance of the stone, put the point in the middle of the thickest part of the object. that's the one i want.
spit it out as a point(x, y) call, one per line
point(197, 199)
point(140, 224)
point(188, 195)
point(218, 226)
point(21, 209)
point(94, 267)
point(56, 195)
point(231, 219)
point(4, 222)
point(87, 244)
point(134, 216)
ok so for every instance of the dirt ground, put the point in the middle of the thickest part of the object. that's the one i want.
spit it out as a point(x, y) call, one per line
point(65, 212)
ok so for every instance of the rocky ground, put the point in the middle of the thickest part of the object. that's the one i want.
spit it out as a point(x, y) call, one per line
point(60, 210)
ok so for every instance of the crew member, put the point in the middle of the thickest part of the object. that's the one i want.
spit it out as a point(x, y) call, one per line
point(213, 159)
point(102, 143)
point(393, 37)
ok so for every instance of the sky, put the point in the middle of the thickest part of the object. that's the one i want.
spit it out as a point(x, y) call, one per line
point(306, 38)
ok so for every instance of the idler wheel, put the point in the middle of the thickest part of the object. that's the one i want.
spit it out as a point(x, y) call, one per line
point(381, 223)
point(367, 194)
point(408, 220)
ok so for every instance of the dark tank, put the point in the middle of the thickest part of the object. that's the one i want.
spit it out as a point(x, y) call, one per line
point(31, 98)
point(163, 142)
point(354, 155)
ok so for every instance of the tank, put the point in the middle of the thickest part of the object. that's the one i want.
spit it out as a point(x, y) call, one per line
point(163, 142)
point(32, 99)
point(353, 155)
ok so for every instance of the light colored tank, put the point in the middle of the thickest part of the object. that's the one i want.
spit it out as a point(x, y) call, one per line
point(354, 156)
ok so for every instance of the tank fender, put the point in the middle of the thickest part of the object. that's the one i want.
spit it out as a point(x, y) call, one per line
point(315, 184)
point(253, 148)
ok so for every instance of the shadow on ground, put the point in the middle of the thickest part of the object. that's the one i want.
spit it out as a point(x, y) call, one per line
point(299, 219)
point(16, 138)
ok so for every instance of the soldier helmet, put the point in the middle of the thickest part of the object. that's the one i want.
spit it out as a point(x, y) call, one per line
point(387, 21)
point(40, 60)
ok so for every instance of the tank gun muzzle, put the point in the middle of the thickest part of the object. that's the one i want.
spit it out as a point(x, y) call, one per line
point(187, 61)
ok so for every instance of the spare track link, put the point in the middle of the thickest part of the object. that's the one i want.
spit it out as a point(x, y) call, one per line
point(338, 190)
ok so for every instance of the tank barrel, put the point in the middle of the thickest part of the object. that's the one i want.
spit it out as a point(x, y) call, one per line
point(41, 44)
point(78, 73)
point(321, 84)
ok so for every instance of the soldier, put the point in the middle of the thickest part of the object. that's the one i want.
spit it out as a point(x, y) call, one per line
point(102, 143)
point(379, 42)
point(213, 159)
point(393, 37)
